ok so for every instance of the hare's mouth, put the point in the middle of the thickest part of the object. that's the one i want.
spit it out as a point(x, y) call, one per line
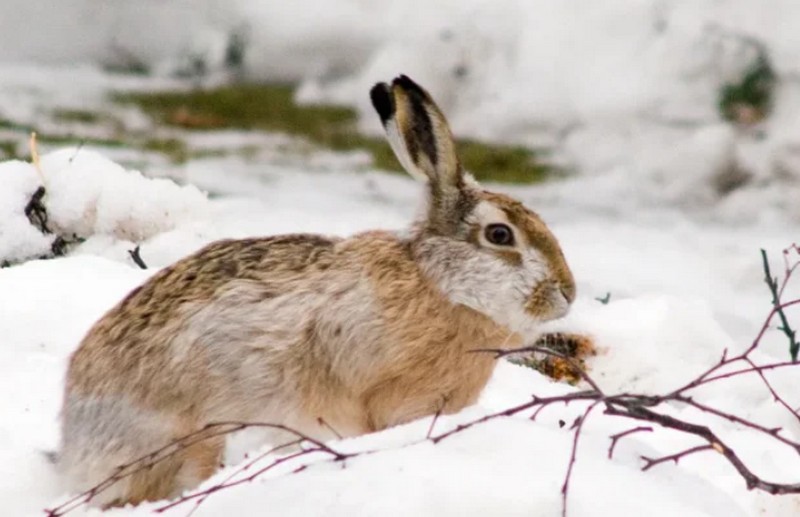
point(547, 302)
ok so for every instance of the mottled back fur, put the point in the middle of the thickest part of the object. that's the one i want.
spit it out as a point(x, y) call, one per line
point(360, 333)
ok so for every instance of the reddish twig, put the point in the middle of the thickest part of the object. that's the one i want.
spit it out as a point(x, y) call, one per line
point(536, 401)
point(245, 468)
point(743, 371)
point(203, 494)
point(775, 397)
point(615, 438)
point(324, 423)
point(773, 432)
point(137, 465)
point(433, 423)
point(751, 479)
point(652, 462)
point(148, 460)
point(788, 268)
point(578, 427)
point(503, 352)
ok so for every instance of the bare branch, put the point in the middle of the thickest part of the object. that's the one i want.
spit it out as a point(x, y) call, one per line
point(772, 283)
point(773, 432)
point(573, 455)
point(615, 438)
point(503, 352)
point(752, 480)
point(324, 423)
point(652, 462)
point(535, 402)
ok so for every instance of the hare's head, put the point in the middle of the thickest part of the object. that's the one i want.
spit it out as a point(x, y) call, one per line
point(484, 250)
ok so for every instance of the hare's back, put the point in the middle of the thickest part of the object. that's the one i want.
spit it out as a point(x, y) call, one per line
point(263, 265)
point(158, 324)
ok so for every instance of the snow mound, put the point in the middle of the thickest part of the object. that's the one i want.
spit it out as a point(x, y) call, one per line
point(88, 195)
point(19, 239)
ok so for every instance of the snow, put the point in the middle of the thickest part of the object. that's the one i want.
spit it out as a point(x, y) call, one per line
point(623, 94)
point(86, 196)
point(672, 287)
point(19, 240)
point(509, 467)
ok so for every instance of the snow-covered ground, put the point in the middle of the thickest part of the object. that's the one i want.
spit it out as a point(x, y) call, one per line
point(621, 92)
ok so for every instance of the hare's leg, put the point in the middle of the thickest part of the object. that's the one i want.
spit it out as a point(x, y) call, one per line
point(200, 461)
point(107, 440)
point(392, 403)
point(173, 475)
point(151, 484)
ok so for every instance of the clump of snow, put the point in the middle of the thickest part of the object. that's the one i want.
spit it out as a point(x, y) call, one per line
point(649, 331)
point(88, 195)
point(19, 239)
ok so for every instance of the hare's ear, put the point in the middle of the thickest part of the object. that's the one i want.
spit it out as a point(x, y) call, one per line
point(419, 135)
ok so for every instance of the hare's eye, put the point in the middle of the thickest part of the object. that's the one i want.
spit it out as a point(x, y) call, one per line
point(499, 234)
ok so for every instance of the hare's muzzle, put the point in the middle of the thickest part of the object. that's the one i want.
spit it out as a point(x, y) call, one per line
point(550, 300)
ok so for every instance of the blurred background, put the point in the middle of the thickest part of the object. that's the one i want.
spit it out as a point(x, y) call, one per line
point(692, 104)
point(659, 138)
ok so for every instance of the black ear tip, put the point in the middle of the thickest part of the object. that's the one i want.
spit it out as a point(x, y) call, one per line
point(382, 101)
point(406, 83)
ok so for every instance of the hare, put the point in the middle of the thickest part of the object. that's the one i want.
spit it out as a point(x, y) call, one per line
point(314, 333)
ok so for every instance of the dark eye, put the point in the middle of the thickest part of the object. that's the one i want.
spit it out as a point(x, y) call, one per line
point(499, 234)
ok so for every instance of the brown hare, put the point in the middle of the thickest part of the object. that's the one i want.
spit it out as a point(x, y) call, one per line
point(360, 334)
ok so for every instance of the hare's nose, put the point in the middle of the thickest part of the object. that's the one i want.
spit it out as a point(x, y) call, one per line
point(568, 291)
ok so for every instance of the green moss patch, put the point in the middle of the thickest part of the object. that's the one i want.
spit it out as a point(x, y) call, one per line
point(8, 150)
point(271, 107)
point(80, 116)
point(749, 99)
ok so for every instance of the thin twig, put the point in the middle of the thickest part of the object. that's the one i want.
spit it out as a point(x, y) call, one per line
point(615, 438)
point(773, 432)
point(246, 467)
point(536, 401)
point(573, 456)
point(324, 423)
point(503, 352)
point(652, 462)
point(752, 480)
point(772, 283)
point(433, 423)
point(775, 396)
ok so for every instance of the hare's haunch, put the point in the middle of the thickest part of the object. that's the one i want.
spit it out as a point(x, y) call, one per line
point(360, 333)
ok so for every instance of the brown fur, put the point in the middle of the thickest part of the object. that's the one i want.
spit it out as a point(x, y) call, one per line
point(361, 333)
